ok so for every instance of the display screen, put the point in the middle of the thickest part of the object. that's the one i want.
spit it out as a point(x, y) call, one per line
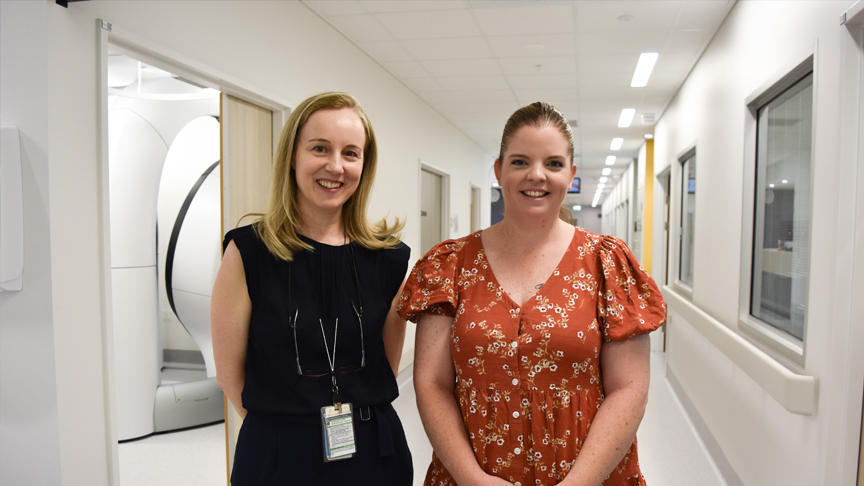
point(575, 185)
point(691, 185)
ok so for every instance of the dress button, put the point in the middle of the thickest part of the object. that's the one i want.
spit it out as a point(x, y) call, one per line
point(517, 451)
point(517, 483)
point(516, 415)
point(514, 344)
point(515, 381)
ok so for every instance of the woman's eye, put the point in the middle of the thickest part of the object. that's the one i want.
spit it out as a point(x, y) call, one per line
point(557, 164)
point(518, 162)
point(352, 154)
point(318, 148)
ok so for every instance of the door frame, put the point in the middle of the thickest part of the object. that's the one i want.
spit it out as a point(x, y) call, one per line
point(112, 37)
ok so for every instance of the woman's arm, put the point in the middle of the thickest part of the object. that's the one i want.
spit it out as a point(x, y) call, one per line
point(394, 334)
point(434, 383)
point(624, 367)
point(230, 310)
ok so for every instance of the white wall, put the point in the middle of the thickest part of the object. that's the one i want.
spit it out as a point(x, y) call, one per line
point(49, 91)
point(763, 442)
point(28, 389)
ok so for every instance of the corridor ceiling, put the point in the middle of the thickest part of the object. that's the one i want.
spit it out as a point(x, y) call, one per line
point(477, 61)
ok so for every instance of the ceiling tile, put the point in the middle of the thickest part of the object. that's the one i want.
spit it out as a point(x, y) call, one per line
point(456, 48)
point(466, 67)
point(666, 79)
point(381, 6)
point(483, 95)
point(609, 63)
point(386, 51)
point(336, 7)
point(675, 61)
point(496, 107)
point(686, 41)
point(607, 80)
point(702, 15)
point(433, 97)
point(440, 24)
point(360, 28)
point(473, 82)
point(545, 65)
point(421, 85)
point(540, 19)
point(538, 45)
point(593, 43)
point(542, 81)
point(603, 16)
point(406, 69)
point(555, 96)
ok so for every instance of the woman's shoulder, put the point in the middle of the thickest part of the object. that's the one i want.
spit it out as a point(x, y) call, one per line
point(590, 242)
point(246, 238)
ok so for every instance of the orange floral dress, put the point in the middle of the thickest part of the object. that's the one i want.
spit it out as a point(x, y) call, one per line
point(528, 376)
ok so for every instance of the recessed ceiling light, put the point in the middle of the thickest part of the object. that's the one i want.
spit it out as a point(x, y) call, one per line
point(770, 185)
point(607, 171)
point(643, 69)
point(626, 119)
point(784, 181)
point(616, 144)
point(577, 207)
point(649, 136)
point(601, 186)
point(604, 179)
point(610, 160)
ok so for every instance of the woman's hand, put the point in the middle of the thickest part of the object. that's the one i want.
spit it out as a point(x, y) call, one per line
point(230, 311)
point(624, 368)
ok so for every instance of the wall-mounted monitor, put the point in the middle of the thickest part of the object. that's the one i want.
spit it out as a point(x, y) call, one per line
point(575, 186)
point(691, 185)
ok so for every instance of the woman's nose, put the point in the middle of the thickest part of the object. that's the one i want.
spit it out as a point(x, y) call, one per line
point(536, 173)
point(334, 164)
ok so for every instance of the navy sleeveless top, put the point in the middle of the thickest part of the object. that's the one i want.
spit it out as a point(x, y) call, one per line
point(323, 285)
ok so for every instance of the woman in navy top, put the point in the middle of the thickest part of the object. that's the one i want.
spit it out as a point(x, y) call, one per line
point(303, 314)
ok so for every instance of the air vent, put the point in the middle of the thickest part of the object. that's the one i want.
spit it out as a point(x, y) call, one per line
point(647, 118)
point(573, 124)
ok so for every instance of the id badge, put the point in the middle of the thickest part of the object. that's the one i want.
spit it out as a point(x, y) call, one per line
point(337, 427)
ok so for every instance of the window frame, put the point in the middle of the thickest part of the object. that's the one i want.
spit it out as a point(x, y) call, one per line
point(779, 342)
point(677, 196)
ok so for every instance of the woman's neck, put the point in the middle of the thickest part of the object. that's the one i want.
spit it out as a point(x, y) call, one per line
point(528, 232)
point(324, 228)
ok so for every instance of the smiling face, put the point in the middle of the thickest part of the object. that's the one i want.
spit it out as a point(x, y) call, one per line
point(328, 160)
point(535, 171)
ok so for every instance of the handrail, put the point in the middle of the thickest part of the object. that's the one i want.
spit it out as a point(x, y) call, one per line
point(797, 393)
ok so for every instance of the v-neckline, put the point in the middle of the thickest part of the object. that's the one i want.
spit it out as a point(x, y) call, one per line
point(545, 282)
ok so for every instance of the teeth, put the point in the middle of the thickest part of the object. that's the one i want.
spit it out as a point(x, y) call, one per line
point(329, 185)
point(534, 193)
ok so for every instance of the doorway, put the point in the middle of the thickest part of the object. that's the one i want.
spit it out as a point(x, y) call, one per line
point(151, 73)
point(475, 208)
point(434, 207)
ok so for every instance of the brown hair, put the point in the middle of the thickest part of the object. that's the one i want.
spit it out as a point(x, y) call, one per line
point(539, 114)
point(277, 228)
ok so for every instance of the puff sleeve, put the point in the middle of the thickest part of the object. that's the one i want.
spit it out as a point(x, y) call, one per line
point(431, 285)
point(630, 303)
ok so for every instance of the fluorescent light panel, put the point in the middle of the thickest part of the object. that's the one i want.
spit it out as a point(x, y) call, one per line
point(626, 119)
point(607, 171)
point(604, 179)
point(643, 69)
point(616, 144)
point(610, 160)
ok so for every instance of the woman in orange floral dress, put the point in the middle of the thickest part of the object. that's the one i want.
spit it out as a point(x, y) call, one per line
point(532, 353)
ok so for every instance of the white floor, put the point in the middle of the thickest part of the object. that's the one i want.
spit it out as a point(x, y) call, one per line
point(670, 452)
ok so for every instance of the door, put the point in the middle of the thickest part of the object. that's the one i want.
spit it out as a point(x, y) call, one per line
point(430, 210)
point(247, 154)
point(475, 208)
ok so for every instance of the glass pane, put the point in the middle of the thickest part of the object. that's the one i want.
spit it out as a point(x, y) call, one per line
point(688, 213)
point(781, 244)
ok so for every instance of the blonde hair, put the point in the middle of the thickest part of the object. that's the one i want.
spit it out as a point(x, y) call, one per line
point(539, 114)
point(277, 228)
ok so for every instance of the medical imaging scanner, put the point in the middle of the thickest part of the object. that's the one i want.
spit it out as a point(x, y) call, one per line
point(164, 187)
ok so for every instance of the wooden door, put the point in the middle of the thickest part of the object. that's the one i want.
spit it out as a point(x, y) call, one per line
point(247, 161)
